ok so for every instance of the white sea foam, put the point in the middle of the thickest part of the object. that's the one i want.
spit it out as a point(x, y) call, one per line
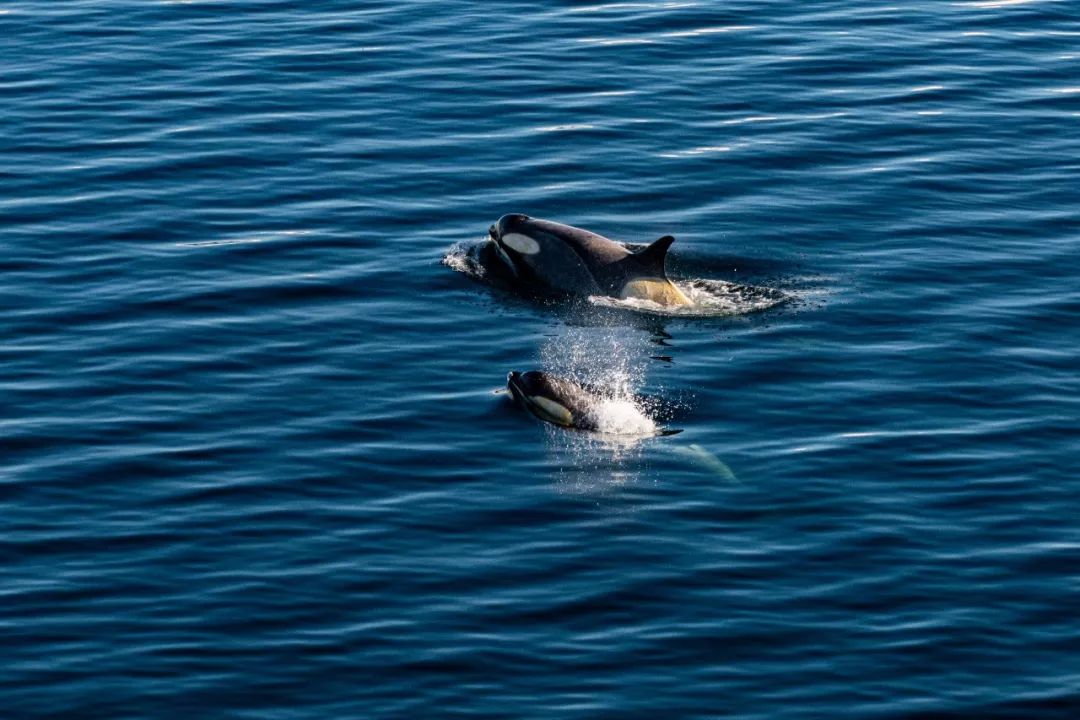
point(462, 258)
point(609, 363)
point(621, 416)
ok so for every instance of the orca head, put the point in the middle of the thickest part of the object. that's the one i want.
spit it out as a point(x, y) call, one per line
point(518, 242)
point(541, 396)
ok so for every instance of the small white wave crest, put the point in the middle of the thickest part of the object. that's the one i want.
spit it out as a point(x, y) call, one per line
point(610, 364)
point(463, 258)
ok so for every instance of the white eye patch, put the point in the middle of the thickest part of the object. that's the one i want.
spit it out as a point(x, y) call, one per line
point(521, 243)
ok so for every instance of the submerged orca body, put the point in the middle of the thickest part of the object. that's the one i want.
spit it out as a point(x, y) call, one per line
point(570, 261)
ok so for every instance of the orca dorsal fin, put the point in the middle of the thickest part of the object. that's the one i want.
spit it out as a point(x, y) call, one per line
point(652, 257)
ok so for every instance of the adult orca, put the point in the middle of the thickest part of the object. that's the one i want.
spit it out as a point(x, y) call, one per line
point(572, 261)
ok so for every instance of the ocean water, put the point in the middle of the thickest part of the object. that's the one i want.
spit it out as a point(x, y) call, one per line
point(255, 457)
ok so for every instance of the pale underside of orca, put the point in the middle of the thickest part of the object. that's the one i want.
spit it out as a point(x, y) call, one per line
point(574, 261)
point(554, 400)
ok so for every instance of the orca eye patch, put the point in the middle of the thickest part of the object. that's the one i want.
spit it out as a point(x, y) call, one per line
point(521, 243)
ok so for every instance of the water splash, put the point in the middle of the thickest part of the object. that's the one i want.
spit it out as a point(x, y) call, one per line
point(464, 257)
point(621, 416)
point(612, 364)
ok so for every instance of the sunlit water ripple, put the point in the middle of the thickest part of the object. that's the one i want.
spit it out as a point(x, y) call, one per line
point(254, 460)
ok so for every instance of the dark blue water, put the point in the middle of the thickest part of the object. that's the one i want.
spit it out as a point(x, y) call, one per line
point(253, 460)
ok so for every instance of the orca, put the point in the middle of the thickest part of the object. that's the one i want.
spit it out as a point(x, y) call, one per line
point(569, 404)
point(570, 261)
point(552, 399)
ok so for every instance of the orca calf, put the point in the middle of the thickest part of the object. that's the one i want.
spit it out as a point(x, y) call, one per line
point(568, 260)
point(553, 399)
point(570, 404)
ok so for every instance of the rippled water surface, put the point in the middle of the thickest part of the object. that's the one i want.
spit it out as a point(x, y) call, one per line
point(254, 457)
